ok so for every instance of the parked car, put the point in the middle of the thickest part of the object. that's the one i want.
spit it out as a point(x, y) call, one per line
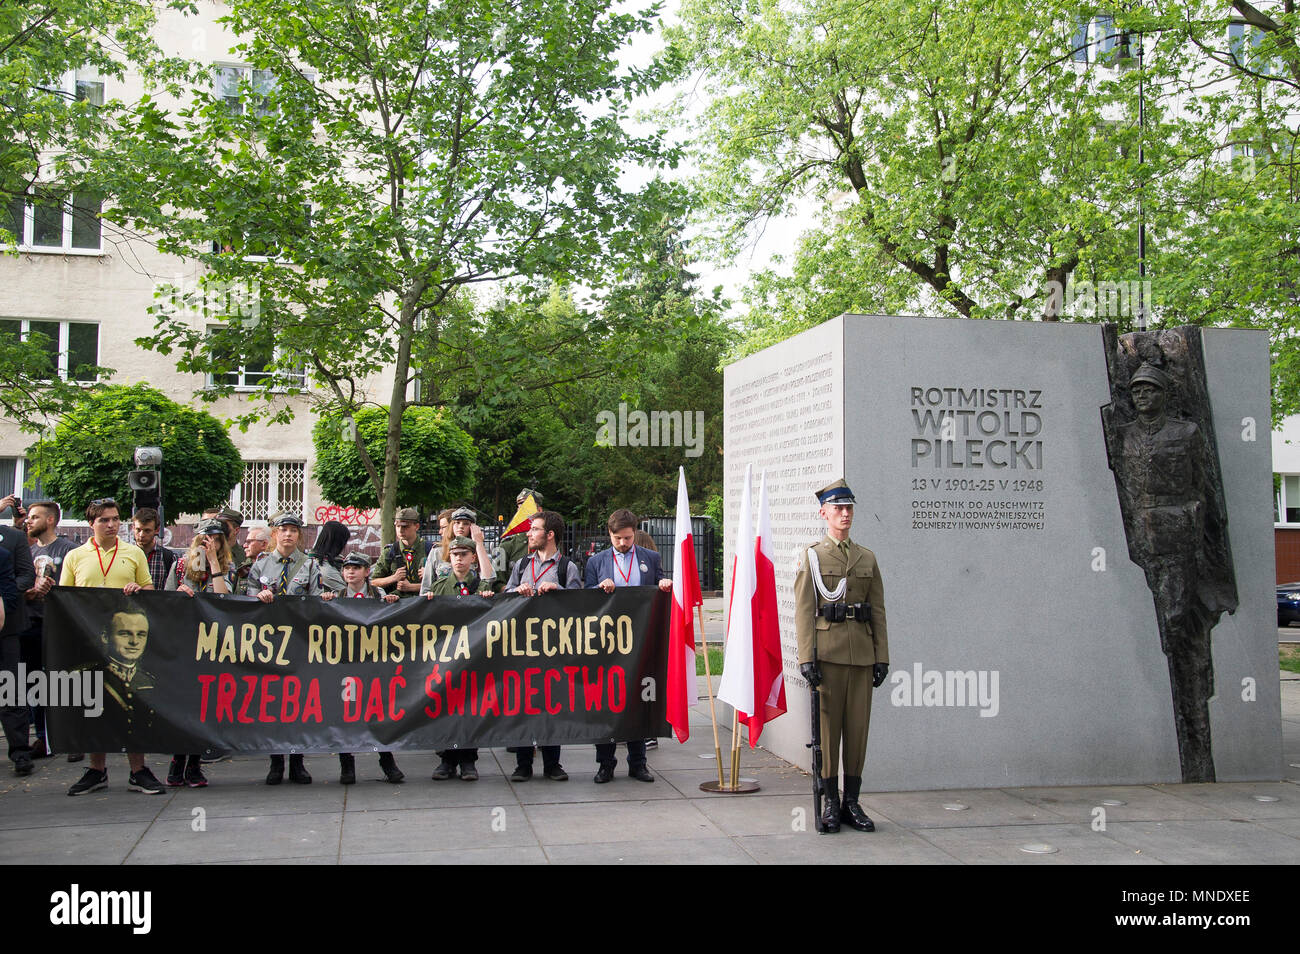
point(1288, 604)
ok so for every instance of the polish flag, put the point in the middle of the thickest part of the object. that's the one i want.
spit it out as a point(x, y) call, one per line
point(769, 674)
point(682, 691)
point(737, 685)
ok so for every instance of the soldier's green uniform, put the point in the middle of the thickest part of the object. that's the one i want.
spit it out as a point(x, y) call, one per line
point(849, 653)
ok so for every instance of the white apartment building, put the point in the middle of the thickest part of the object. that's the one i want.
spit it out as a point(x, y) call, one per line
point(89, 286)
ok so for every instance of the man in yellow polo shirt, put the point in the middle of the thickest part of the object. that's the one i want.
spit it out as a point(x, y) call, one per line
point(108, 561)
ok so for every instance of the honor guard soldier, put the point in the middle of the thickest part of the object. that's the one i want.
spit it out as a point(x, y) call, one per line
point(843, 649)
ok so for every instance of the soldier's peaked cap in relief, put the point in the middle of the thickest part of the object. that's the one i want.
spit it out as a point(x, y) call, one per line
point(837, 492)
point(407, 515)
point(1151, 375)
point(287, 520)
point(357, 558)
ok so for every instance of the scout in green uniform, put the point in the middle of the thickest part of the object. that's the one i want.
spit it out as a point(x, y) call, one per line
point(843, 648)
point(356, 586)
point(401, 566)
point(464, 580)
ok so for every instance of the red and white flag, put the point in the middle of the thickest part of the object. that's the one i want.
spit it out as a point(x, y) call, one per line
point(682, 691)
point(769, 674)
point(742, 667)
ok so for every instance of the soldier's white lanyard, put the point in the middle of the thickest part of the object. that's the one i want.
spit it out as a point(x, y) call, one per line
point(827, 597)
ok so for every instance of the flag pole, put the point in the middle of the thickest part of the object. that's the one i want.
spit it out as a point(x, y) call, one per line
point(735, 749)
point(713, 718)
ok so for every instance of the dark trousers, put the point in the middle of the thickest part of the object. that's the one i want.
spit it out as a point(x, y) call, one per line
point(15, 718)
point(33, 655)
point(458, 756)
point(524, 755)
point(606, 753)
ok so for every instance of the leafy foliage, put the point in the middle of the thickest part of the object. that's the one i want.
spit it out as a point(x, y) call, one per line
point(91, 450)
point(982, 164)
point(438, 146)
point(436, 464)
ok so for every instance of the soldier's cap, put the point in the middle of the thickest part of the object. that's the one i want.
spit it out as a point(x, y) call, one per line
point(836, 493)
point(523, 495)
point(231, 514)
point(461, 543)
point(465, 513)
point(286, 520)
point(357, 558)
point(1151, 375)
point(408, 514)
point(210, 528)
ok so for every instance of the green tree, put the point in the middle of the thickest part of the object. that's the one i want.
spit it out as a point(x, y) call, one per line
point(552, 439)
point(959, 161)
point(436, 147)
point(1240, 263)
point(41, 118)
point(436, 461)
point(91, 450)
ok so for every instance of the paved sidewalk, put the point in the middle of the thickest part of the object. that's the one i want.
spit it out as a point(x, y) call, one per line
point(241, 820)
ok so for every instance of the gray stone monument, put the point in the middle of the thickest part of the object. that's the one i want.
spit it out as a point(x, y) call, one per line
point(1025, 647)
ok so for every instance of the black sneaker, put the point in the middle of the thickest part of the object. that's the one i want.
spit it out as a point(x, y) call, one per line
point(468, 772)
point(444, 771)
point(144, 781)
point(194, 776)
point(176, 772)
point(93, 781)
point(556, 773)
point(522, 773)
point(23, 768)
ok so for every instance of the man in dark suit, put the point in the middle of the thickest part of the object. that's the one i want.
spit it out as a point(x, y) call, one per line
point(15, 718)
point(625, 564)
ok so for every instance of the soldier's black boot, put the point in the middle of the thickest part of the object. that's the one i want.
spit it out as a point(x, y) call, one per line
point(276, 775)
point(831, 807)
point(388, 765)
point(851, 812)
point(298, 773)
point(347, 769)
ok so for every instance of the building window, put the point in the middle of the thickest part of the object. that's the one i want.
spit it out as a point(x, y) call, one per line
point(271, 487)
point(254, 247)
point(54, 221)
point(15, 475)
point(1244, 42)
point(1096, 39)
point(72, 346)
point(250, 371)
point(244, 89)
point(1286, 505)
point(85, 85)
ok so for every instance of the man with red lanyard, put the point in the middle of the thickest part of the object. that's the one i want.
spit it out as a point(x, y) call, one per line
point(544, 570)
point(624, 564)
point(107, 561)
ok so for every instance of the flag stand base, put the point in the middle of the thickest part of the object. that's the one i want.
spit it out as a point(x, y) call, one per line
point(743, 787)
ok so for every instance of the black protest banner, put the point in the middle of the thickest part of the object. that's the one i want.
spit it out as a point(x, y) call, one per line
point(184, 674)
